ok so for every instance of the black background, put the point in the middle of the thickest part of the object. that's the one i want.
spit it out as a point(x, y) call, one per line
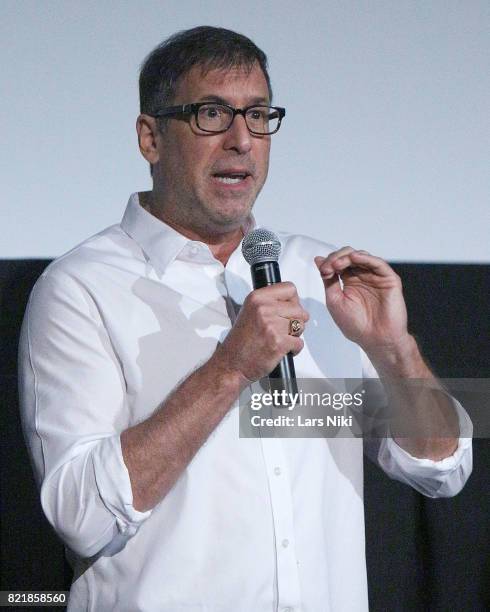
point(422, 554)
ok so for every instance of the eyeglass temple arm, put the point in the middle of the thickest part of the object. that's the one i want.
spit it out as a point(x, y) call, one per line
point(174, 110)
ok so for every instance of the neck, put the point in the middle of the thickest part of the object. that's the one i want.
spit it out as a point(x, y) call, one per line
point(221, 243)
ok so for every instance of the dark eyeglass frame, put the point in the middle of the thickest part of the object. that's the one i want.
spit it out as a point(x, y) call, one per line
point(186, 109)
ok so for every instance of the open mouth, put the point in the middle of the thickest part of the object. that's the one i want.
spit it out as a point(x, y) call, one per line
point(231, 178)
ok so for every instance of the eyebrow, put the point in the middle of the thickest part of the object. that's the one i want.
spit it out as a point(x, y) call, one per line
point(220, 100)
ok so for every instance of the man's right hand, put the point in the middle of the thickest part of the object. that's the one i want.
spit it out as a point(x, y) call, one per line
point(260, 336)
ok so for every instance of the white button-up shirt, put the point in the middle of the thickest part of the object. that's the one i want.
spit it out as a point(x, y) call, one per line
point(252, 524)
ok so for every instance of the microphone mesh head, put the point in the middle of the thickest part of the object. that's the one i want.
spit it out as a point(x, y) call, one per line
point(261, 245)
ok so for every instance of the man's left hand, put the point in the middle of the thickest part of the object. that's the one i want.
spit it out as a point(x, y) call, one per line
point(364, 296)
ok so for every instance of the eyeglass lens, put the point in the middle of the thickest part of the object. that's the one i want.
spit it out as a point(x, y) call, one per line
point(216, 118)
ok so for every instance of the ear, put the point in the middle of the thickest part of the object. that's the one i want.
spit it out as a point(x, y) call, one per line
point(148, 134)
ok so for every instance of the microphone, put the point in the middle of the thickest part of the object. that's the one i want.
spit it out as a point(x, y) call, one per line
point(261, 249)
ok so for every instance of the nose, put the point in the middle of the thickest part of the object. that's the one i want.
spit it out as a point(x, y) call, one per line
point(238, 137)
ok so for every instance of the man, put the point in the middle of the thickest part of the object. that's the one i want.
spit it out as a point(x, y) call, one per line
point(137, 343)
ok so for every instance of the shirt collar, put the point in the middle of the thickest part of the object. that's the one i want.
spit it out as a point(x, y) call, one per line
point(160, 242)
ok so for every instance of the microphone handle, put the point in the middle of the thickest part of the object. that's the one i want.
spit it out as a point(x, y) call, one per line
point(283, 376)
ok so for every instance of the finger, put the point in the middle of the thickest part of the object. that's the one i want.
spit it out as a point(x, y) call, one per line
point(365, 260)
point(353, 260)
point(294, 313)
point(296, 345)
point(336, 266)
point(330, 279)
point(292, 328)
point(324, 267)
point(345, 250)
point(292, 308)
point(285, 290)
point(333, 288)
point(324, 264)
point(340, 253)
point(328, 266)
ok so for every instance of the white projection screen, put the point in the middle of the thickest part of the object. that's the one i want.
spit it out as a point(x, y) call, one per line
point(384, 147)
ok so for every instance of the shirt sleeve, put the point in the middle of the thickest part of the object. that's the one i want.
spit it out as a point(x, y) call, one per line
point(443, 478)
point(73, 406)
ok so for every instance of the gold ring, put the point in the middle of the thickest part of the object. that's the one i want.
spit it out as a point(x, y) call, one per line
point(295, 327)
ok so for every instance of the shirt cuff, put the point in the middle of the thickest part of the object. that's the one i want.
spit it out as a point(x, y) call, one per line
point(443, 478)
point(114, 485)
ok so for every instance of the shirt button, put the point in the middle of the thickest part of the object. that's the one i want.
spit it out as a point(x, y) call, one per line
point(288, 610)
point(277, 471)
point(285, 543)
point(193, 251)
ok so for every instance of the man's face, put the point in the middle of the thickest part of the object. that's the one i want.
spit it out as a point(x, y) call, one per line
point(192, 164)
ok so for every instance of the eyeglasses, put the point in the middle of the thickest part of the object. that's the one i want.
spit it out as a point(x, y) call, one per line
point(216, 118)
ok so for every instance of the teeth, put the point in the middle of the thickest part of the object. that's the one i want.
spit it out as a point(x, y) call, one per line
point(229, 180)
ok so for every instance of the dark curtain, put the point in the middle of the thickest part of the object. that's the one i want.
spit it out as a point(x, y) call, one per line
point(422, 554)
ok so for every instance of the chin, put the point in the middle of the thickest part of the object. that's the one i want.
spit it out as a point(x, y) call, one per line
point(230, 217)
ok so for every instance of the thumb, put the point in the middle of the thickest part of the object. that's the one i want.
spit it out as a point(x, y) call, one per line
point(319, 260)
point(328, 275)
point(330, 279)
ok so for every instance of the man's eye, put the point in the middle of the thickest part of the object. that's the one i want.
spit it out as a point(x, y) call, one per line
point(210, 112)
point(258, 114)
